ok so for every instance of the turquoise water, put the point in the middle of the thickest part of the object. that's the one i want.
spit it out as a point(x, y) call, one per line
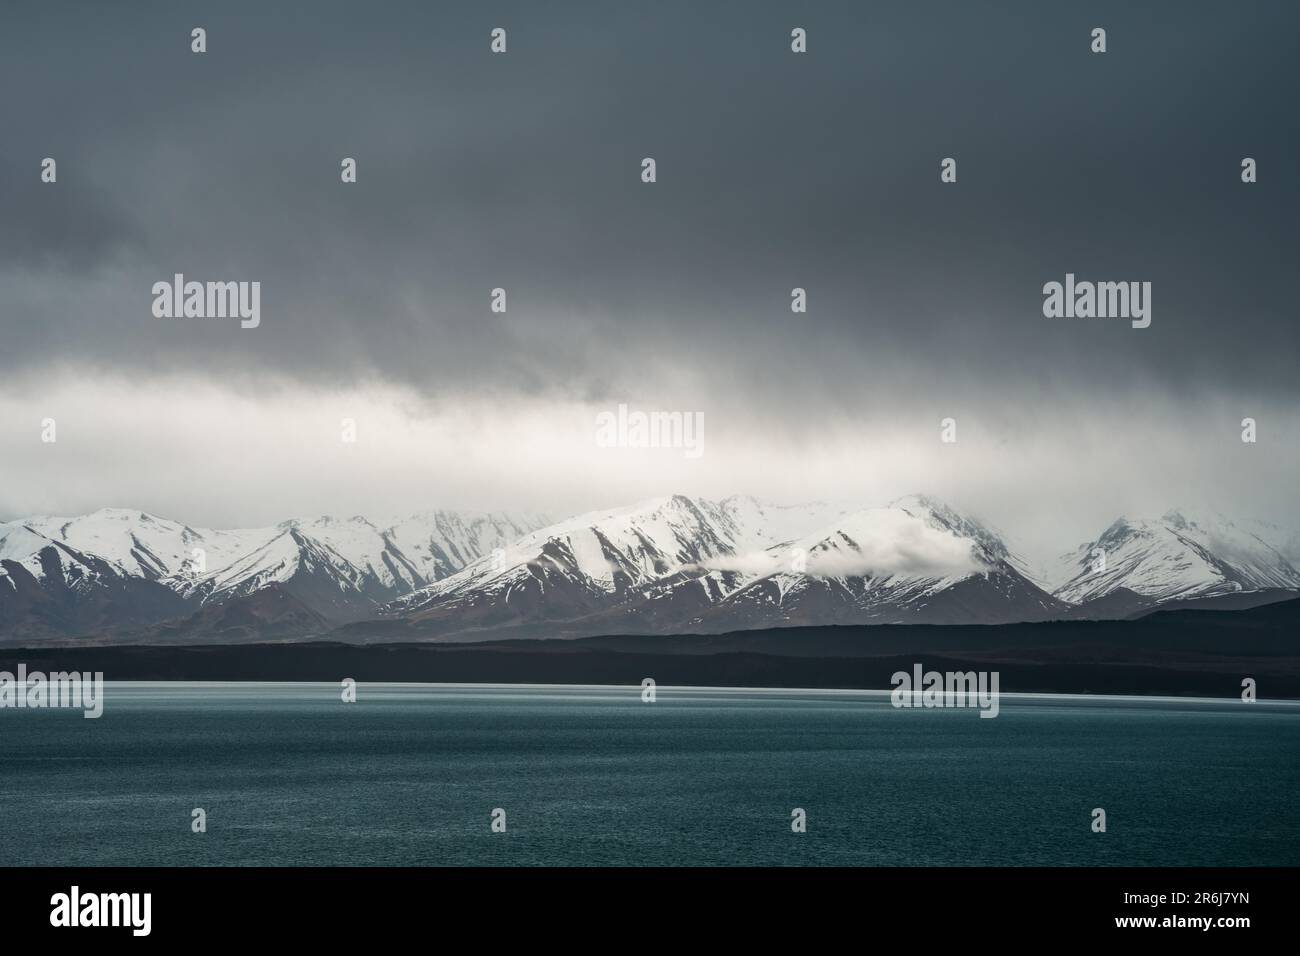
point(410, 774)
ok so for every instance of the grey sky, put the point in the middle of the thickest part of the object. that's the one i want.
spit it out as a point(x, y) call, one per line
point(775, 170)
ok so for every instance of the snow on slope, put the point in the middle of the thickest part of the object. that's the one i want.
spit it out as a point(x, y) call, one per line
point(664, 564)
point(49, 589)
point(343, 568)
point(605, 551)
point(39, 556)
point(753, 525)
point(440, 543)
point(364, 548)
point(915, 559)
point(680, 561)
point(145, 545)
point(1175, 557)
point(1284, 541)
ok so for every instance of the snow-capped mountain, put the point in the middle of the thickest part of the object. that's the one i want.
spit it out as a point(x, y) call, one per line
point(52, 568)
point(676, 564)
point(612, 553)
point(685, 563)
point(48, 588)
point(440, 543)
point(1176, 557)
point(1285, 541)
point(306, 568)
point(589, 563)
point(915, 561)
point(143, 545)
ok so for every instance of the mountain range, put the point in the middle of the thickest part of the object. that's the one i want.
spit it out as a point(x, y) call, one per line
point(677, 564)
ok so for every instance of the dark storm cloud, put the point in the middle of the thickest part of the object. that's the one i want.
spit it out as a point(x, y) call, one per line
point(775, 170)
point(69, 230)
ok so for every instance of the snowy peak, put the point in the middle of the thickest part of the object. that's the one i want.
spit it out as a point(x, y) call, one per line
point(920, 541)
point(691, 563)
point(24, 549)
point(915, 560)
point(306, 568)
point(145, 545)
point(603, 552)
point(440, 543)
point(754, 525)
point(346, 569)
point(1174, 557)
point(991, 546)
point(672, 564)
point(368, 551)
point(342, 569)
point(49, 589)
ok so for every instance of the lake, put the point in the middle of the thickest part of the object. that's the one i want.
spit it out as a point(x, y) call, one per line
point(410, 775)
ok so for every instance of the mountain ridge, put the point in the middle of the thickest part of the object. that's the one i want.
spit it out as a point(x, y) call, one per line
point(672, 564)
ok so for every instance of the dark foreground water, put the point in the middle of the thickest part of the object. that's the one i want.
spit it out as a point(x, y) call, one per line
point(410, 774)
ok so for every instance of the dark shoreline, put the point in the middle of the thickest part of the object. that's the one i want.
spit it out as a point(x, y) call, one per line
point(1202, 653)
point(468, 665)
